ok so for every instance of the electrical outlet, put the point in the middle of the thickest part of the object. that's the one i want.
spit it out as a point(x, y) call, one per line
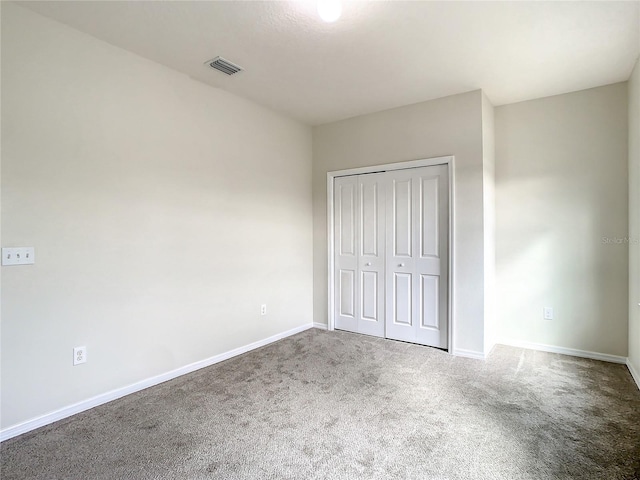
point(79, 355)
point(263, 309)
point(548, 313)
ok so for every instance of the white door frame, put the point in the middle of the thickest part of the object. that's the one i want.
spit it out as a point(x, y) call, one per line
point(427, 162)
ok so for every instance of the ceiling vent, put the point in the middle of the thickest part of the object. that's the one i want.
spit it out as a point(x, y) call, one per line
point(224, 66)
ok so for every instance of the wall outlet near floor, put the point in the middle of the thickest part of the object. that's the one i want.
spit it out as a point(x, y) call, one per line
point(263, 309)
point(548, 313)
point(79, 355)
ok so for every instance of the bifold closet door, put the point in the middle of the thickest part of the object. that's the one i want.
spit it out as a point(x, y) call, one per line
point(417, 231)
point(359, 246)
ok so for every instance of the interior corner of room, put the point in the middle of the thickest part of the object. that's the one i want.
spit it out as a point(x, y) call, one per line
point(177, 224)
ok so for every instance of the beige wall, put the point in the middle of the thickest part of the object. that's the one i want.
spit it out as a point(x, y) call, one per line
point(163, 213)
point(561, 192)
point(489, 202)
point(447, 126)
point(634, 221)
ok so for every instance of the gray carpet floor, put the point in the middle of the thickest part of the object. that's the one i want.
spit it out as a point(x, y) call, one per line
point(334, 405)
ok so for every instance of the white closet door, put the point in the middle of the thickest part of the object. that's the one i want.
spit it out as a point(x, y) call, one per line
point(371, 266)
point(345, 247)
point(359, 254)
point(417, 205)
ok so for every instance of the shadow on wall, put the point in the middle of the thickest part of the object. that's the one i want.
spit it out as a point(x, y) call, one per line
point(550, 252)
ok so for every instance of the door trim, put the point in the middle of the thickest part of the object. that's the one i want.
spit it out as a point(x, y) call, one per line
point(427, 162)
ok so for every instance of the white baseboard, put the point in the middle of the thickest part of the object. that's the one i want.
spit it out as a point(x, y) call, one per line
point(321, 326)
point(103, 398)
point(634, 373)
point(605, 357)
point(461, 352)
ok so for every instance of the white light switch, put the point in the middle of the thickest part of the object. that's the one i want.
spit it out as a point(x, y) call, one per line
point(18, 256)
point(548, 313)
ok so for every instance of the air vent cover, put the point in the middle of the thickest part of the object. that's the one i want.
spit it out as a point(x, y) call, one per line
point(224, 66)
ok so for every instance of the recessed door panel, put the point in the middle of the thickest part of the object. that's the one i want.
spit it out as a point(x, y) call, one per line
point(402, 299)
point(347, 293)
point(429, 302)
point(402, 218)
point(429, 211)
point(370, 296)
point(370, 226)
point(346, 233)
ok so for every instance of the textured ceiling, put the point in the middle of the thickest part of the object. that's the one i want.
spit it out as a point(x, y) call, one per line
point(378, 55)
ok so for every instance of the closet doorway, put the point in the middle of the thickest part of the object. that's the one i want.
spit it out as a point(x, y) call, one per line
point(389, 248)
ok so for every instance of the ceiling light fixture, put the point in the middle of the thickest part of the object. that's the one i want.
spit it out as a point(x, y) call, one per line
point(329, 10)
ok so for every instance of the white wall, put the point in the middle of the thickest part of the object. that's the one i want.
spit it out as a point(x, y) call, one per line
point(634, 221)
point(447, 126)
point(163, 213)
point(489, 202)
point(561, 195)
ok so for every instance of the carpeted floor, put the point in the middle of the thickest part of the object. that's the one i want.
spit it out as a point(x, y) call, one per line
point(334, 405)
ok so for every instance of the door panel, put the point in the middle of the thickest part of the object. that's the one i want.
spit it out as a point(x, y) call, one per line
point(432, 264)
point(429, 302)
point(370, 224)
point(399, 272)
point(346, 260)
point(402, 218)
point(402, 311)
point(417, 213)
point(371, 255)
point(429, 205)
point(370, 296)
point(347, 293)
point(359, 230)
point(346, 213)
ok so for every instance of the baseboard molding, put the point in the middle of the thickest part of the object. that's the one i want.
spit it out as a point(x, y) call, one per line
point(461, 352)
point(101, 399)
point(634, 373)
point(321, 326)
point(605, 357)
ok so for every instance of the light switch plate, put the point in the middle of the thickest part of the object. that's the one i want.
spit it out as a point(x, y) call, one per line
point(18, 256)
point(548, 313)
